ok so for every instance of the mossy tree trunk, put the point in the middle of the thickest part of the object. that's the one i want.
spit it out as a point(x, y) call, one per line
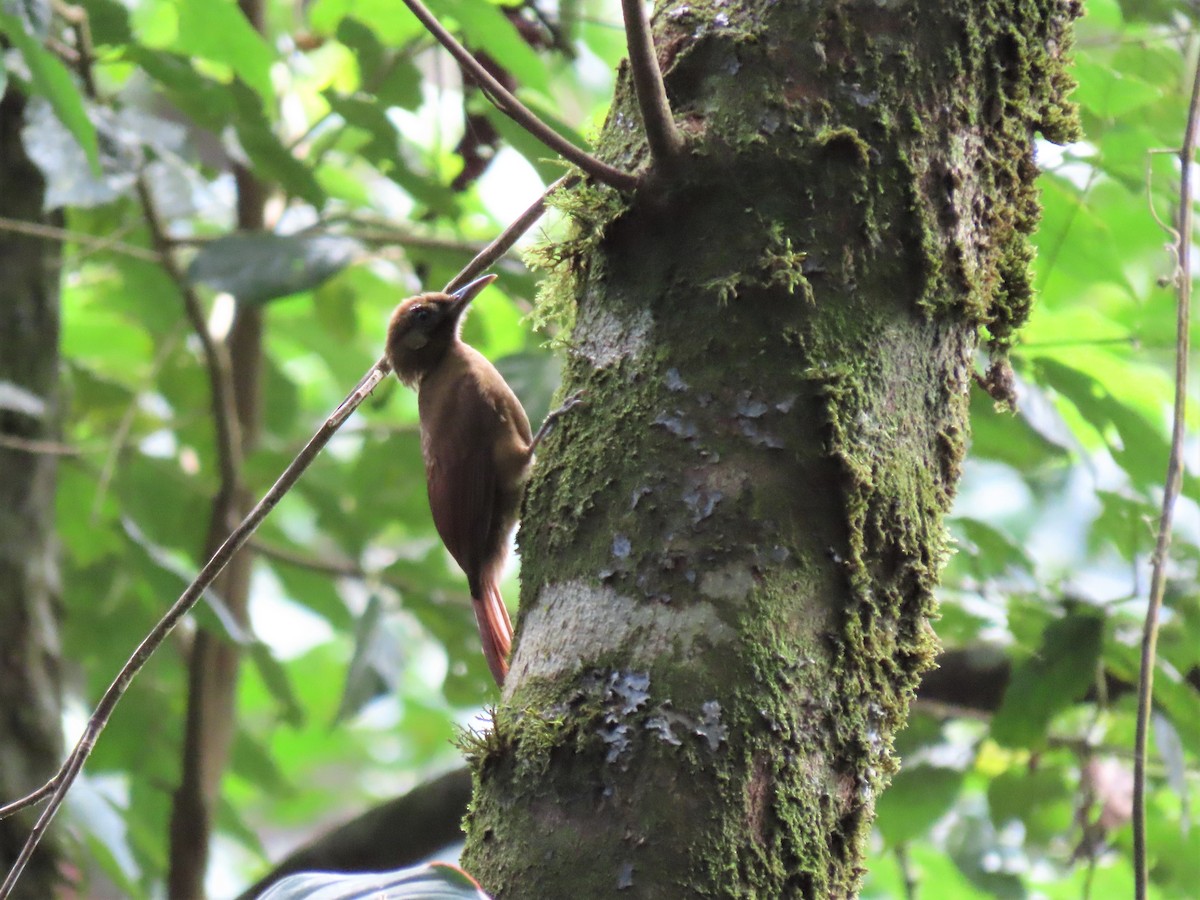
point(730, 553)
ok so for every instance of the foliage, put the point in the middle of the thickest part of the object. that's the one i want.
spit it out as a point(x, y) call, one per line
point(366, 659)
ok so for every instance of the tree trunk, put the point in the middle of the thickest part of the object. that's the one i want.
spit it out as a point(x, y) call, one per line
point(729, 554)
point(30, 701)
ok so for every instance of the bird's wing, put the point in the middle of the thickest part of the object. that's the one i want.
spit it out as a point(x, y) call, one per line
point(461, 476)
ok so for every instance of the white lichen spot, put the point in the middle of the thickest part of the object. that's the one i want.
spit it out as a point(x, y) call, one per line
point(606, 339)
point(604, 621)
point(731, 582)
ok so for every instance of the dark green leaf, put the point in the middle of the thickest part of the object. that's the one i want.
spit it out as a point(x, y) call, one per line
point(534, 376)
point(1051, 679)
point(109, 22)
point(256, 267)
point(205, 100)
point(375, 665)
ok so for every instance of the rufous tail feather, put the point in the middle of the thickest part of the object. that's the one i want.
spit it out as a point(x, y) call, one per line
point(495, 629)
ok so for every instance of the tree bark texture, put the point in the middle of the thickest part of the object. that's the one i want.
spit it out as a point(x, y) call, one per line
point(729, 554)
point(30, 699)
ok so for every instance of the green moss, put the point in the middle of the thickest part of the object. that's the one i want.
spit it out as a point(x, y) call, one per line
point(590, 210)
point(847, 142)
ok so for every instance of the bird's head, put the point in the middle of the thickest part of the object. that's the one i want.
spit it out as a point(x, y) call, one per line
point(424, 327)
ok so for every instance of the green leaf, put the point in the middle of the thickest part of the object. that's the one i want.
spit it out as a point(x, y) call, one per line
point(1041, 799)
point(1010, 437)
point(545, 161)
point(1137, 446)
point(52, 80)
point(206, 100)
point(917, 798)
point(485, 28)
point(257, 267)
point(374, 668)
point(1050, 680)
point(1110, 93)
point(109, 22)
point(993, 552)
point(100, 823)
point(276, 679)
point(392, 22)
point(388, 76)
point(252, 761)
point(263, 147)
point(216, 30)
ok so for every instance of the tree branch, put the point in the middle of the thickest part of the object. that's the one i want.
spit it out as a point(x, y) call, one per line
point(666, 142)
point(56, 788)
point(517, 111)
point(1174, 480)
point(51, 233)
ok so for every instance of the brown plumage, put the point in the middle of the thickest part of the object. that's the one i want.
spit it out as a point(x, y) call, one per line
point(477, 445)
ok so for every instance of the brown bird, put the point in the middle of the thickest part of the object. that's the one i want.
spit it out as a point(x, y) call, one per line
point(477, 446)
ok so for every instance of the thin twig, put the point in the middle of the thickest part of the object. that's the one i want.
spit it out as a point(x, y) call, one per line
point(504, 241)
point(50, 233)
point(78, 19)
point(215, 356)
point(1171, 488)
point(517, 111)
point(665, 140)
point(56, 788)
point(36, 447)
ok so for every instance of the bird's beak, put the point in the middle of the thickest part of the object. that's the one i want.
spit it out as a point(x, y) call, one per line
point(465, 295)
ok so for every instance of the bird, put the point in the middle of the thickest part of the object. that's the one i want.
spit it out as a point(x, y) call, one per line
point(477, 446)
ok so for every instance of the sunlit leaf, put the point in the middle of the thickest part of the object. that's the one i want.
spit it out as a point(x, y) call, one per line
point(217, 30)
point(487, 29)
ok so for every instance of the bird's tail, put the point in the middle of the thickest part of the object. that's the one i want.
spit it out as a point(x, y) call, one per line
point(495, 628)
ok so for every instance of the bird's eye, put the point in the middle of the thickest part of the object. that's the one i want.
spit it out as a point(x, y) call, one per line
point(421, 314)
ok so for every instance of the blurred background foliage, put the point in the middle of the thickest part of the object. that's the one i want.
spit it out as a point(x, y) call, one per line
point(363, 663)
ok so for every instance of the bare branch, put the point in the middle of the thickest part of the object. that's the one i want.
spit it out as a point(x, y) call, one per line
point(665, 140)
point(50, 233)
point(36, 447)
point(1174, 480)
point(517, 111)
